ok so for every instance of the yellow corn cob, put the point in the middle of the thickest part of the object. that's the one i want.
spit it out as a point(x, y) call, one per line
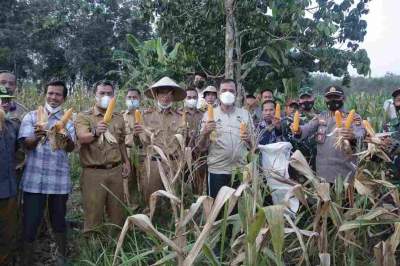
point(109, 111)
point(210, 112)
point(350, 119)
point(243, 128)
point(296, 122)
point(278, 111)
point(338, 119)
point(64, 120)
point(138, 117)
point(368, 128)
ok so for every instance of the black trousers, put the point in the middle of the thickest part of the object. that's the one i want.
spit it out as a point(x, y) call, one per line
point(33, 209)
point(217, 181)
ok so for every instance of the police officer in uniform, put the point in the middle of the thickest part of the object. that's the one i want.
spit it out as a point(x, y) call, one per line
point(332, 162)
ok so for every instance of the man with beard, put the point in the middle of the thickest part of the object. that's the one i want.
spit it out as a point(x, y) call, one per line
point(332, 162)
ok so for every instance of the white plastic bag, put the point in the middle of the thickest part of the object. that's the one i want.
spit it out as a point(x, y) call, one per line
point(275, 162)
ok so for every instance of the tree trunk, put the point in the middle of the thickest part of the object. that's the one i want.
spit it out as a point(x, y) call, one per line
point(229, 38)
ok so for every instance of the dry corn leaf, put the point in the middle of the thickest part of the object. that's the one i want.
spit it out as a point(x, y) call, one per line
point(324, 192)
point(224, 194)
point(143, 223)
point(325, 259)
point(298, 162)
point(161, 193)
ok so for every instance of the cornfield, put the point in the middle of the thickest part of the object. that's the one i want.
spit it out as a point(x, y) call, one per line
point(346, 223)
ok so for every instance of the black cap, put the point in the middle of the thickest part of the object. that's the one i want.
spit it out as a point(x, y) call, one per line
point(396, 92)
point(250, 95)
point(334, 90)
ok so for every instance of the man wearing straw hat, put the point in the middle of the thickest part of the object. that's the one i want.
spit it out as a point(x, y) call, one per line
point(157, 130)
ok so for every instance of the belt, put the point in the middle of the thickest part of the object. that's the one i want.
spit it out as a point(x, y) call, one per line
point(105, 166)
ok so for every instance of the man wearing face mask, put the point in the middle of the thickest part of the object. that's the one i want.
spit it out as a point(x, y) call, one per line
point(9, 81)
point(307, 146)
point(193, 117)
point(132, 102)
point(46, 178)
point(330, 161)
point(104, 163)
point(227, 147)
point(199, 83)
point(159, 127)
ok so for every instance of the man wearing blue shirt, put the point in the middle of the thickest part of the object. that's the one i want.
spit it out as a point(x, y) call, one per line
point(8, 183)
point(46, 176)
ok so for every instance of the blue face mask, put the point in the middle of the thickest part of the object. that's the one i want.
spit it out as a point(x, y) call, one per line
point(132, 104)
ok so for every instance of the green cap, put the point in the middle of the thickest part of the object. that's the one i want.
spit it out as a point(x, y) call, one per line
point(4, 92)
point(305, 91)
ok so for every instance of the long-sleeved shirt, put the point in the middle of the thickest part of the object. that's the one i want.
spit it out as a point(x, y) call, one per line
point(331, 162)
point(268, 134)
point(8, 147)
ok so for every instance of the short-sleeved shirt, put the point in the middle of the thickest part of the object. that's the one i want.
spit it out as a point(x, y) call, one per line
point(100, 153)
point(163, 124)
point(8, 147)
point(268, 134)
point(46, 171)
point(228, 151)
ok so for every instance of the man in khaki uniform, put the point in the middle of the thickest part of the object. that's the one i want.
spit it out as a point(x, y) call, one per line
point(159, 127)
point(193, 117)
point(104, 160)
point(132, 102)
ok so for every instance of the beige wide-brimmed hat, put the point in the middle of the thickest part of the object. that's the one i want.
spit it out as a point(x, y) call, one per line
point(178, 92)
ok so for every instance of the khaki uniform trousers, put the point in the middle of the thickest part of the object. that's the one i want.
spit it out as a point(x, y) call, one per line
point(95, 197)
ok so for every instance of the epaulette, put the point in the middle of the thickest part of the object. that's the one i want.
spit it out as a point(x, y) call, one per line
point(88, 112)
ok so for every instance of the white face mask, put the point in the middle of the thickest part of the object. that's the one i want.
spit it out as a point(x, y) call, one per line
point(190, 103)
point(132, 104)
point(104, 101)
point(163, 107)
point(227, 98)
point(51, 109)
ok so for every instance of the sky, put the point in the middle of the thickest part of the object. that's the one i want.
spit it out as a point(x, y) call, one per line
point(382, 41)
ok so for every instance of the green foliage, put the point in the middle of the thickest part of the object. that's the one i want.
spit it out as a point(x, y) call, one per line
point(151, 60)
point(278, 42)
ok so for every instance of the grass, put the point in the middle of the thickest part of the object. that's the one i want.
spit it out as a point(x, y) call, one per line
point(341, 224)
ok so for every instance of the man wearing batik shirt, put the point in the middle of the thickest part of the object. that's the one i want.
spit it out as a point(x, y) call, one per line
point(46, 176)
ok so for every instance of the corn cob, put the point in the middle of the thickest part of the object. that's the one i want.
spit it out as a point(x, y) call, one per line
point(60, 125)
point(338, 119)
point(243, 128)
point(278, 111)
point(138, 117)
point(368, 128)
point(210, 112)
point(296, 122)
point(109, 111)
point(350, 119)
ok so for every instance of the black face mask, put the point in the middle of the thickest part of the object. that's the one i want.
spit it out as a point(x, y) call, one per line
point(307, 105)
point(397, 108)
point(334, 105)
point(199, 83)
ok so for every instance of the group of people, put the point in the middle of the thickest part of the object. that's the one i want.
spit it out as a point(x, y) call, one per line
point(119, 157)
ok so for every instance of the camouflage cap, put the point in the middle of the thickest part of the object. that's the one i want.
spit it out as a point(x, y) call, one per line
point(4, 92)
point(305, 91)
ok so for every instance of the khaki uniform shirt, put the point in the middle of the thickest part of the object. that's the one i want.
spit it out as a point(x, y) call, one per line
point(331, 162)
point(193, 122)
point(228, 151)
point(96, 154)
point(163, 125)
